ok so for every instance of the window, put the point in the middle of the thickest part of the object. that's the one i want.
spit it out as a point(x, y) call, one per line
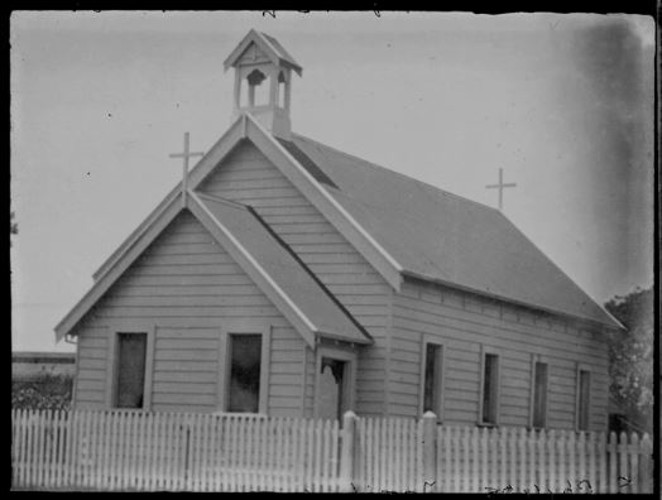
point(540, 376)
point(245, 371)
point(490, 389)
point(130, 378)
point(433, 379)
point(584, 399)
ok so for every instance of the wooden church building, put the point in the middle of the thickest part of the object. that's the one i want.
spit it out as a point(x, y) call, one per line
point(284, 277)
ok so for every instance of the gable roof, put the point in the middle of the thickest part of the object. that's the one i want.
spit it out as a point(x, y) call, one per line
point(296, 294)
point(441, 237)
point(271, 48)
point(404, 227)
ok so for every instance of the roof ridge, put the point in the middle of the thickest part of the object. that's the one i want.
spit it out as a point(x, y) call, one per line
point(400, 174)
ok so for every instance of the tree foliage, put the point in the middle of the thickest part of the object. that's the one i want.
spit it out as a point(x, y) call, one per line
point(13, 225)
point(631, 357)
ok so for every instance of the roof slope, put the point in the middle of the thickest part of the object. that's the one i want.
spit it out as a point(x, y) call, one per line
point(293, 289)
point(286, 272)
point(443, 237)
point(269, 45)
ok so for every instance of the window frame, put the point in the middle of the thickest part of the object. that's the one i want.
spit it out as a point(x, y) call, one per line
point(349, 391)
point(484, 352)
point(535, 359)
point(112, 368)
point(429, 340)
point(589, 405)
point(225, 365)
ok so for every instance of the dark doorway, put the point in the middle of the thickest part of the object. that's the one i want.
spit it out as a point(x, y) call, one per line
point(332, 398)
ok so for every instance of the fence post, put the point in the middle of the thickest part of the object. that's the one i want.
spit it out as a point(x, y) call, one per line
point(347, 451)
point(429, 451)
point(645, 465)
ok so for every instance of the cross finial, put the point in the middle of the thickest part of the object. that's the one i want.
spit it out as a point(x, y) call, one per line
point(186, 155)
point(500, 186)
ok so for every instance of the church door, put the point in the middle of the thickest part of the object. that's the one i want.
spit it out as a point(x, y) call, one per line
point(332, 398)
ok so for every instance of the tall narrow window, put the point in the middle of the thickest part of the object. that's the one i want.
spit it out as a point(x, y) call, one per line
point(130, 381)
point(540, 395)
point(490, 389)
point(584, 403)
point(244, 383)
point(433, 379)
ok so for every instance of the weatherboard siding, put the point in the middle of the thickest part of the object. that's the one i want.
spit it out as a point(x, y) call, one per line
point(463, 323)
point(191, 288)
point(248, 177)
point(309, 387)
point(91, 367)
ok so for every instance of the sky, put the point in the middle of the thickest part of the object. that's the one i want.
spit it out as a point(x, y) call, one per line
point(562, 102)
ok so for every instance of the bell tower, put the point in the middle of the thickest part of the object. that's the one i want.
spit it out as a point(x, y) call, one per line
point(263, 81)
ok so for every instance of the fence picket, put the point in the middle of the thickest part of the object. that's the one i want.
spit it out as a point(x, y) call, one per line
point(144, 474)
point(456, 465)
point(115, 447)
point(42, 445)
point(29, 453)
point(132, 442)
point(591, 443)
point(43, 471)
point(223, 456)
point(572, 452)
point(120, 451)
point(624, 470)
point(543, 461)
point(167, 449)
point(375, 457)
point(581, 456)
point(90, 440)
point(551, 467)
point(646, 469)
point(412, 469)
point(199, 453)
point(38, 447)
point(18, 441)
point(58, 458)
point(107, 442)
point(34, 462)
point(243, 454)
point(634, 462)
point(93, 450)
point(382, 453)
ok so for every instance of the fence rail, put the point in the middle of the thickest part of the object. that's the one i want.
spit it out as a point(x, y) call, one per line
point(143, 451)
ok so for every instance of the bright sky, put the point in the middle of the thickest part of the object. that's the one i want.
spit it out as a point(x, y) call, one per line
point(563, 103)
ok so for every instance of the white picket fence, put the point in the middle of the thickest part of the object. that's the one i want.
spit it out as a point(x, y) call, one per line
point(420, 456)
point(141, 451)
point(128, 450)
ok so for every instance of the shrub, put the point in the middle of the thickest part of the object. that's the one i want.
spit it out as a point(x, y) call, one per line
point(43, 392)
